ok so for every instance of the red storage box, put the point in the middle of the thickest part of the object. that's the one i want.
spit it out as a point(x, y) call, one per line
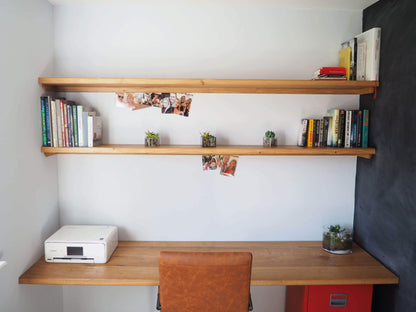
point(329, 298)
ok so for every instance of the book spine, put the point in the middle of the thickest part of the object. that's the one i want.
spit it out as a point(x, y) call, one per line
point(321, 133)
point(366, 120)
point(354, 129)
point(48, 122)
point(58, 122)
point(85, 127)
point(354, 59)
point(303, 133)
point(361, 53)
point(359, 127)
point(43, 120)
point(90, 131)
point(66, 125)
point(325, 120)
point(334, 127)
point(376, 55)
point(62, 116)
point(75, 124)
point(310, 133)
point(347, 140)
point(341, 128)
point(80, 125)
point(70, 129)
point(54, 124)
point(316, 126)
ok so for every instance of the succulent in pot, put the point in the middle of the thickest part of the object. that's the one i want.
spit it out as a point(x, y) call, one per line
point(208, 140)
point(337, 239)
point(269, 139)
point(151, 139)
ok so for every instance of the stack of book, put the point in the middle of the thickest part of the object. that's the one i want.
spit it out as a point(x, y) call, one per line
point(66, 124)
point(330, 73)
point(340, 128)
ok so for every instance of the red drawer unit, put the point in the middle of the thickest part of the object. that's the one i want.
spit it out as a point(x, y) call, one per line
point(329, 298)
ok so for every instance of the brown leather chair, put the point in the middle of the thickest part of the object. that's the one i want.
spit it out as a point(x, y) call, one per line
point(204, 282)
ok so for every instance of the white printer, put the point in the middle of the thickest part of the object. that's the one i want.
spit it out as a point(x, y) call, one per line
point(82, 244)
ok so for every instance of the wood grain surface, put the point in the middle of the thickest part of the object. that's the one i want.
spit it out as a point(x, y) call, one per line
point(274, 263)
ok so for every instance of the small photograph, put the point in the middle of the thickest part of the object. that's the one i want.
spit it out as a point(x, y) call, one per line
point(168, 102)
point(131, 101)
point(229, 165)
point(211, 162)
point(155, 99)
point(188, 103)
point(183, 104)
point(146, 99)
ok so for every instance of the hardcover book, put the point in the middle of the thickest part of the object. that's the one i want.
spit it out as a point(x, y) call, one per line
point(366, 120)
point(94, 131)
point(345, 60)
point(303, 133)
point(370, 42)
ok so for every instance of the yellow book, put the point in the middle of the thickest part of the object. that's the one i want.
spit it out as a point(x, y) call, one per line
point(345, 60)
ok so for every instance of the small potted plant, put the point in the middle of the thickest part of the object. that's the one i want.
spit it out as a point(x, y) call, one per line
point(337, 239)
point(151, 139)
point(208, 140)
point(269, 139)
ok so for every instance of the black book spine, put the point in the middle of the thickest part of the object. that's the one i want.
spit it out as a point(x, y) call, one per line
point(359, 128)
point(316, 123)
point(341, 136)
point(325, 122)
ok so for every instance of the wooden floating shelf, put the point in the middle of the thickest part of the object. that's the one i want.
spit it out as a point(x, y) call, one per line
point(253, 150)
point(207, 85)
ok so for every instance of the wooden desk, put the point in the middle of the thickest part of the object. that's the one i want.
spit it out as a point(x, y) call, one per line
point(274, 263)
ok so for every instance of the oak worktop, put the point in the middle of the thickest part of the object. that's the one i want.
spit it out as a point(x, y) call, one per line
point(274, 263)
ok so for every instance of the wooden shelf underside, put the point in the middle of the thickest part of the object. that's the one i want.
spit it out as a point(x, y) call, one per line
point(274, 263)
point(252, 150)
point(61, 84)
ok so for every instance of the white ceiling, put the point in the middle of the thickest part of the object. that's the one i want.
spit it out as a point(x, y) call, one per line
point(295, 4)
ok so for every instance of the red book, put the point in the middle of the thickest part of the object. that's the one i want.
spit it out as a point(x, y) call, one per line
point(332, 71)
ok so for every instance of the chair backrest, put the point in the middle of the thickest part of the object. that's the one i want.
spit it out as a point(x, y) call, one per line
point(204, 281)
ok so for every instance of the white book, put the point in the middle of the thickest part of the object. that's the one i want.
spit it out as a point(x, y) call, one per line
point(58, 122)
point(80, 118)
point(85, 127)
point(361, 58)
point(348, 119)
point(372, 39)
point(94, 131)
point(303, 132)
point(53, 123)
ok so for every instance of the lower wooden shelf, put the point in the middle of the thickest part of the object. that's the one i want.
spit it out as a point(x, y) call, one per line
point(135, 263)
point(130, 149)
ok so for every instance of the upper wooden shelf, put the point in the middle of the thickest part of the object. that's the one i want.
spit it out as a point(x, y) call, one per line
point(274, 263)
point(130, 149)
point(207, 85)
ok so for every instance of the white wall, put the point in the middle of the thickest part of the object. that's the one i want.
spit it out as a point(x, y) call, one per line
point(169, 197)
point(28, 181)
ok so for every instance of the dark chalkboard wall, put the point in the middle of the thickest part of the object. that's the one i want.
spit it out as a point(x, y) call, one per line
point(385, 203)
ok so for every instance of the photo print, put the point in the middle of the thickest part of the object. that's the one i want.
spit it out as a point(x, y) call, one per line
point(183, 104)
point(211, 162)
point(131, 101)
point(168, 102)
point(155, 99)
point(229, 165)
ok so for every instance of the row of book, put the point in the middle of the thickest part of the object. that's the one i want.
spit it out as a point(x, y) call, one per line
point(66, 124)
point(360, 56)
point(340, 128)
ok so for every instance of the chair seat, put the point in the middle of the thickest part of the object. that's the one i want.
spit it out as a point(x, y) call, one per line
point(205, 281)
